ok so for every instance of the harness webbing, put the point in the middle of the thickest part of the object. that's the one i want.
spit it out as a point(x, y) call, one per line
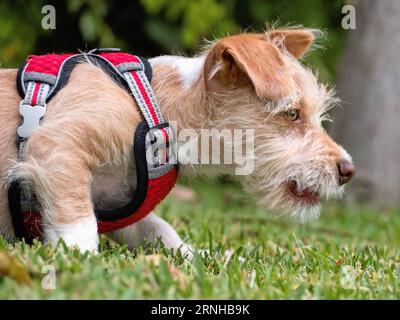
point(39, 80)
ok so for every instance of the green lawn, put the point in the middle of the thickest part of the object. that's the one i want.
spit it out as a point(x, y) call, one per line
point(349, 253)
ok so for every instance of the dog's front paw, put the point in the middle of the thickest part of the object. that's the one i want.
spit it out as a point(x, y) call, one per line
point(81, 235)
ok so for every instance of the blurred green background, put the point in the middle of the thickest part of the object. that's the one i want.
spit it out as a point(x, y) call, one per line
point(154, 27)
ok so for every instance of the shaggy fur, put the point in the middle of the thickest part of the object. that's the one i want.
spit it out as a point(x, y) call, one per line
point(80, 157)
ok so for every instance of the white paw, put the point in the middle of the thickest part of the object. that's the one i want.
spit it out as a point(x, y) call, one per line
point(82, 235)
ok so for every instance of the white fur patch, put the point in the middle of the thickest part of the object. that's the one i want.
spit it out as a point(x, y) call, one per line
point(82, 234)
point(189, 69)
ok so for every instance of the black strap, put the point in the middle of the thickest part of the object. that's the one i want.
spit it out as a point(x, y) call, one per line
point(142, 178)
point(14, 203)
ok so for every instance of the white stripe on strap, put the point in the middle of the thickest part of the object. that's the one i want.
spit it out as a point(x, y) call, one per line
point(146, 85)
point(29, 92)
point(139, 98)
point(36, 93)
point(144, 97)
point(33, 107)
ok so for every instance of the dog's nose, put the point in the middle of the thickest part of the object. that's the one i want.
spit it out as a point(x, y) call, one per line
point(346, 171)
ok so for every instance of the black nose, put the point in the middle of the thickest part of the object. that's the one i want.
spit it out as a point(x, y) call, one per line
point(346, 171)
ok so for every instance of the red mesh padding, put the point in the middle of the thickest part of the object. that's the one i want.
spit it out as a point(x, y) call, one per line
point(48, 63)
point(51, 63)
point(157, 190)
point(119, 57)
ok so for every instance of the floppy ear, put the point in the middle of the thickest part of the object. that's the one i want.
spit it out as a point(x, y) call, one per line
point(294, 41)
point(249, 59)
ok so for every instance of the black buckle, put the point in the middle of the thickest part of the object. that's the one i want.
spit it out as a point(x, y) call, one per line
point(104, 50)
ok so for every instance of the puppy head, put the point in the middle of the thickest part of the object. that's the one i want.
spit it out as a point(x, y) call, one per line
point(255, 81)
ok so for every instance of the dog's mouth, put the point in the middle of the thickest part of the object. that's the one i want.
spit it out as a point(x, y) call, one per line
point(302, 195)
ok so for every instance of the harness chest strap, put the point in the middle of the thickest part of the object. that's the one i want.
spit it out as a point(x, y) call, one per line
point(41, 78)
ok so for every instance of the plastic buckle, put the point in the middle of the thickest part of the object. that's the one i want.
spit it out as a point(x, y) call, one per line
point(104, 50)
point(31, 116)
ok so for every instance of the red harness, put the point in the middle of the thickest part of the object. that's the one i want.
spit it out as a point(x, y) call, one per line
point(40, 78)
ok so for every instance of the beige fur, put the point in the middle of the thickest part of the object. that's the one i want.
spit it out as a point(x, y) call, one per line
point(80, 157)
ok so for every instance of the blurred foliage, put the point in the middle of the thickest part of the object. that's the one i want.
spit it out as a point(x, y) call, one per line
point(17, 37)
point(192, 19)
point(153, 27)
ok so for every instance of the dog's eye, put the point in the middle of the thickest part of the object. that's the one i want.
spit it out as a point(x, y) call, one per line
point(292, 114)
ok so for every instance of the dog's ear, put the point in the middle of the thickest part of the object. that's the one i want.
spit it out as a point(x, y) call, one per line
point(295, 41)
point(248, 59)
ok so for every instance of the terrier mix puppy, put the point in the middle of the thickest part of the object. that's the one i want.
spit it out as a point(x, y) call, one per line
point(81, 155)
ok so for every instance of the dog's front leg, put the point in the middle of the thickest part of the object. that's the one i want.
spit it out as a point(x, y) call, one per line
point(152, 229)
point(62, 182)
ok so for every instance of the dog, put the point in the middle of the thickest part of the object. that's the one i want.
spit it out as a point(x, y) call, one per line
point(81, 155)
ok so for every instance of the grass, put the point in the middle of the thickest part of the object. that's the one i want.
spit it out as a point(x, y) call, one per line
point(349, 253)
